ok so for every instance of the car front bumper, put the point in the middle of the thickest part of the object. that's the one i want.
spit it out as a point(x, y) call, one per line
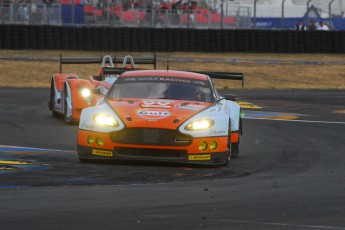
point(190, 153)
point(216, 158)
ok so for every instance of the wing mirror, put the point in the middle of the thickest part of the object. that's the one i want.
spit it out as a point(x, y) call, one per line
point(96, 91)
point(230, 97)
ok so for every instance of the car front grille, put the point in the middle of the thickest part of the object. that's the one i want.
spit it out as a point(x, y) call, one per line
point(150, 153)
point(150, 136)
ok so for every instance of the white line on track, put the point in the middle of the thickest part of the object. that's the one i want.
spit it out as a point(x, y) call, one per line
point(250, 222)
point(303, 121)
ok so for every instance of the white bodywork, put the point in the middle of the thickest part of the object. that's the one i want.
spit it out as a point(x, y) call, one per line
point(223, 112)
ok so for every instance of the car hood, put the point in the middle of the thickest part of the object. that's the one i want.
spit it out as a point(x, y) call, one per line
point(155, 113)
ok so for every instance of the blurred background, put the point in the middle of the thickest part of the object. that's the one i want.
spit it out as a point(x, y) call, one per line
point(196, 14)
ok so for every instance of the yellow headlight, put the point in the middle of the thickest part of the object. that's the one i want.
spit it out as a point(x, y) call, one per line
point(90, 140)
point(201, 124)
point(106, 120)
point(99, 141)
point(214, 145)
point(203, 146)
point(85, 92)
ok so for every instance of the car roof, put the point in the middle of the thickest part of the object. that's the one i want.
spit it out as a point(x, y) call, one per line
point(165, 73)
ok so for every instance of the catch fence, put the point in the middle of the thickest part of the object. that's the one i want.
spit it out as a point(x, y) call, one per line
point(112, 14)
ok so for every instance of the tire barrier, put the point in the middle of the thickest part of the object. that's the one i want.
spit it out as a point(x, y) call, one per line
point(169, 39)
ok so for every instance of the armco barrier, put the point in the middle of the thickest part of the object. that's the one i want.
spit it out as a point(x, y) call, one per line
point(169, 39)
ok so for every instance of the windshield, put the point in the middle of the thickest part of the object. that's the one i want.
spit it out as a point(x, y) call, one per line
point(162, 88)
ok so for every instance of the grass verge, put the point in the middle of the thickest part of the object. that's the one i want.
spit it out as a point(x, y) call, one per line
point(258, 75)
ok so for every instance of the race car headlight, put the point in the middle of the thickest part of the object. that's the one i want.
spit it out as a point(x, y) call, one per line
point(102, 119)
point(85, 92)
point(201, 124)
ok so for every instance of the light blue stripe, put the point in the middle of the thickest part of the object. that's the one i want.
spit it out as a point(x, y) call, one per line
point(25, 149)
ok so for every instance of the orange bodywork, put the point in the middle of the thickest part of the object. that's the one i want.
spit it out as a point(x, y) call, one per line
point(155, 113)
point(235, 137)
point(76, 85)
point(60, 79)
point(96, 83)
point(78, 101)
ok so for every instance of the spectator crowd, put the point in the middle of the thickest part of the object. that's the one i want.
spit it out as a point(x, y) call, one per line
point(312, 25)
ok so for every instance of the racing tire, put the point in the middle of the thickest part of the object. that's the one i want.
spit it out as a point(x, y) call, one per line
point(229, 152)
point(85, 160)
point(52, 99)
point(67, 119)
point(235, 147)
point(90, 161)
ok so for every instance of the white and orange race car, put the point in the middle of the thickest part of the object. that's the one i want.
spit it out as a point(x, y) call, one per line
point(69, 94)
point(162, 115)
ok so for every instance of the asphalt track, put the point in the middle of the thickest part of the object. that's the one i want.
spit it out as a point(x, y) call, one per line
point(290, 174)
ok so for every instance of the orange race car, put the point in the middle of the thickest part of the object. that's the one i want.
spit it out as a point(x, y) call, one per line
point(69, 94)
point(162, 115)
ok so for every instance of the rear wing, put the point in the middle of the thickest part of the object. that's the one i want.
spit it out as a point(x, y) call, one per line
point(225, 75)
point(117, 71)
point(137, 60)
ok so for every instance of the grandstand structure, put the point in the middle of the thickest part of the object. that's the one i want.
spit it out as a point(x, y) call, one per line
point(293, 8)
point(284, 14)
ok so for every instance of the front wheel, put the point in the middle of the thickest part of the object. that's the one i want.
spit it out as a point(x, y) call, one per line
point(229, 152)
point(235, 147)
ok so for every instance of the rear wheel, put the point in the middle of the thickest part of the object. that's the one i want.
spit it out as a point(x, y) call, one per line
point(52, 99)
point(67, 119)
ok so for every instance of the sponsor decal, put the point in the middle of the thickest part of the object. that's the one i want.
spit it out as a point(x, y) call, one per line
point(153, 114)
point(199, 157)
point(85, 125)
point(194, 107)
point(217, 132)
point(127, 79)
point(167, 79)
point(156, 104)
point(102, 153)
point(148, 78)
point(175, 79)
